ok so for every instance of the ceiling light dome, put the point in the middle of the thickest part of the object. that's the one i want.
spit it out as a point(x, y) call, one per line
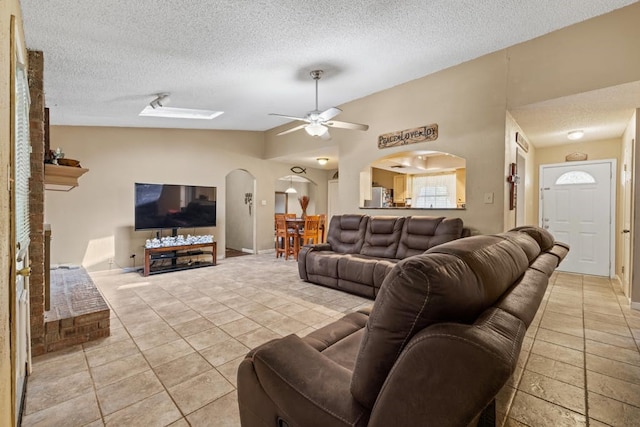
point(575, 134)
point(322, 161)
point(316, 129)
point(291, 189)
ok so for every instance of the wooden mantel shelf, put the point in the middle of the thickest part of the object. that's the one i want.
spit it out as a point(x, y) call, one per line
point(61, 178)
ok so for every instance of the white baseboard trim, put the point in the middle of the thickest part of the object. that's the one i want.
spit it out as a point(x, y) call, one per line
point(635, 305)
point(247, 251)
point(266, 251)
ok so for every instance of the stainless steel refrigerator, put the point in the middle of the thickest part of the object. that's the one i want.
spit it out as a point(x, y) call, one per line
point(380, 198)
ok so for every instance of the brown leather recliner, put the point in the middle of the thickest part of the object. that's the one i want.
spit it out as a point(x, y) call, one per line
point(442, 339)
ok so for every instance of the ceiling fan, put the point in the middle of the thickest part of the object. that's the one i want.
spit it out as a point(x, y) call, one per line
point(318, 122)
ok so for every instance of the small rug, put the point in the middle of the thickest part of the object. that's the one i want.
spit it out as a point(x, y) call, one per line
point(228, 253)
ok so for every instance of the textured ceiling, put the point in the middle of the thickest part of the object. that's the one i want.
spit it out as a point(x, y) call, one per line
point(601, 114)
point(105, 60)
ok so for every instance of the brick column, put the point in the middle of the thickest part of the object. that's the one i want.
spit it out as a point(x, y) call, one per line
point(36, 201)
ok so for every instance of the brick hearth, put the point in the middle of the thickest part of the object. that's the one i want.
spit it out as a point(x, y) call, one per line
point(78, 312)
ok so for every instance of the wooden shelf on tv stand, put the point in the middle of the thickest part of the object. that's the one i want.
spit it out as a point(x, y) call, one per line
point(174, 253)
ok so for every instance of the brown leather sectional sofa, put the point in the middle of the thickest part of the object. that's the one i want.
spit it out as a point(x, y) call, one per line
point(361, 250)
point(443, 337)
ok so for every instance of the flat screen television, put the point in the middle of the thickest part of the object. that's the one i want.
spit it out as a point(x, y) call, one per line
point(172, 206)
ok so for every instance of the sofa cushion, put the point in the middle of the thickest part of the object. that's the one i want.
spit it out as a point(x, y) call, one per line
point(453, 282)
point(346, 233)
point(420, 233)
point(356, 268)
point(382, 236)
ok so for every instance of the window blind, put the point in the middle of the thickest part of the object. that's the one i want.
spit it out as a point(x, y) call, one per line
point(22, 160)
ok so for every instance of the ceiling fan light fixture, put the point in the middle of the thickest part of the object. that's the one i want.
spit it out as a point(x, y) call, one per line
point(322, 161)
point(575, 134)
point(316, 129)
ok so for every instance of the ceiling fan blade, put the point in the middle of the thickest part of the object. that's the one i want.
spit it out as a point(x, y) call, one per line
point(329, 113)
point(293, 129)
point(303, 119)
point(346, 125)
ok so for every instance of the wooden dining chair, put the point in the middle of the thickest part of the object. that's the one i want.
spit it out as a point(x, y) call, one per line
point(281, 235)
point(322, 226)
point(285, 237)
point(309, 235)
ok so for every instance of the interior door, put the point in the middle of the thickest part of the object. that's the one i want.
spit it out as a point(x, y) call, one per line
point(280, 206)
point(576, 205)
point(521, 168)
point(627, 192)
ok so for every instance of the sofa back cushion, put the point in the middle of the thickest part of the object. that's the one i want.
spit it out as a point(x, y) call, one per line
point(346, 233)
point(382, 236)
point(420, 233)
point(452, 282)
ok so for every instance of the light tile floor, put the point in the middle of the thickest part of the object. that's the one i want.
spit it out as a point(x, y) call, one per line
point(177, 339)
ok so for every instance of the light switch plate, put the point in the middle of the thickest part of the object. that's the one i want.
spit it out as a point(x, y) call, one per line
point(488, 198)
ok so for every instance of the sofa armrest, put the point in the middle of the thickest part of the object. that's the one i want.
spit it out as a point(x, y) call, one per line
point(449, 372)
point(302, 257)
point(309, 388)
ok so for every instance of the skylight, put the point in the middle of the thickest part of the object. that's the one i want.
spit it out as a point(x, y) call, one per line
point(179, 113)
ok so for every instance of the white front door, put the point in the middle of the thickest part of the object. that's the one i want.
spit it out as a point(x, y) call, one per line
point(576, 206)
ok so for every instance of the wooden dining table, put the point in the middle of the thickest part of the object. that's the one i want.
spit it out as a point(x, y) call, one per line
point(296, 224)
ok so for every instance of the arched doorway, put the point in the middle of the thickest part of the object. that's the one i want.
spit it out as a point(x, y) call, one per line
point(240, 215)
point(289, 189)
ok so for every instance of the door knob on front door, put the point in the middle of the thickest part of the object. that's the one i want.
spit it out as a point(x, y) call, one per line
point(626, 231)
point(25, 272)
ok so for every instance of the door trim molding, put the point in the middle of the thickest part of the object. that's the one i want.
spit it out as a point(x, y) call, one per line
point(612, 202)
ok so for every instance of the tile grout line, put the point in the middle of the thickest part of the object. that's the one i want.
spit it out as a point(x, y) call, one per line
point(584, 357)
point(93, 385)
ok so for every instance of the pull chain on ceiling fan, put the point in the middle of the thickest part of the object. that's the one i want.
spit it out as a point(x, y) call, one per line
point(318, 122)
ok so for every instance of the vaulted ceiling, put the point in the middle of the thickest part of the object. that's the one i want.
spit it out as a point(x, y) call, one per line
point(106, 60)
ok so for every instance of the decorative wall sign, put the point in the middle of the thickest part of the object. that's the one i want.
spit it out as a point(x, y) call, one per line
point(576, 157)
point(522, 142)
point(298, 170)
point(409, 136)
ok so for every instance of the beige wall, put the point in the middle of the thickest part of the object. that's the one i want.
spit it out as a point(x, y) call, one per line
point(93, 223)
point(469, 102)
point(7, 285)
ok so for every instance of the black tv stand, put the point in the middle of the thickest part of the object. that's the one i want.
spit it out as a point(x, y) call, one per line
point(174, 253)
